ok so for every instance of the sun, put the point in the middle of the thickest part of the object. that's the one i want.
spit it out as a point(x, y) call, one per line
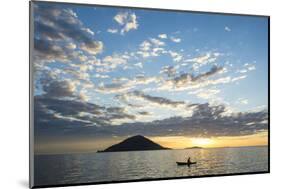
point(201, 142)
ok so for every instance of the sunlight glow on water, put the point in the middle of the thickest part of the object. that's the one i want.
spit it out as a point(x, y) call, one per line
point(116, 166)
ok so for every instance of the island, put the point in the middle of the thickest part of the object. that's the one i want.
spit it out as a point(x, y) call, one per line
point(134, 143)
point(194, 147)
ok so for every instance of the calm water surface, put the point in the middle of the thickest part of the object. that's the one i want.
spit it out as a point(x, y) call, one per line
point(116, 166)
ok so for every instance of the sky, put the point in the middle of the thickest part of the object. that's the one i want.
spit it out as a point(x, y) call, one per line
point(102, 74)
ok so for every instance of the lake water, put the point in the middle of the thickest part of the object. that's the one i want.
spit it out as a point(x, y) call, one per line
point(117, 166)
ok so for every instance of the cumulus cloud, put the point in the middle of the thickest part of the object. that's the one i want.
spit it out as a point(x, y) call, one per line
point(71, 46)
point(47, 51)
point(111, 30)
point(55, 87)
point(72, 114)
point(202, 60)
point(157, 42)
point(94, 47)
point(170, 71)
point(226, 28)
point(175, 56)
point(60, 89)
point(54, 26)
point(113, 61)
point(127, 20)
point(145, 46)
point(151, 47)
point(252, 67)
point(163, 36)
point(176, 40)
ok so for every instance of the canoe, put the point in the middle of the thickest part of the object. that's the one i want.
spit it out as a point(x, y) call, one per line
point(185, 163)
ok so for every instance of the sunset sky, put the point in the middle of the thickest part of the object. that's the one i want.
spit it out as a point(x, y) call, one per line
point(102, 74)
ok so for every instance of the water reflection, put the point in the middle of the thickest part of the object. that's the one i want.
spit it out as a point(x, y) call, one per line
point(97, 167)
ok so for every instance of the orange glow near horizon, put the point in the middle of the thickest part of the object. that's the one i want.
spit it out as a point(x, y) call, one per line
point(202, 142)
point(181, 142)
point(174, 142)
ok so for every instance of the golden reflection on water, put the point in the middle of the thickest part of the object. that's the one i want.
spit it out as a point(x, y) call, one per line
point(116, 166)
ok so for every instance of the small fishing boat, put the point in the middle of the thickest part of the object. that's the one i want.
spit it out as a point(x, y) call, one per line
point(186, 163)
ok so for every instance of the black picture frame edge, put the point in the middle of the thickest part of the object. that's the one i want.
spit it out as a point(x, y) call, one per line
point(31, 113)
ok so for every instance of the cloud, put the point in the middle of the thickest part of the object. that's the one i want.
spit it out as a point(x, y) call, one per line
point(94, 47)
point(123, 84)
point(189, 78)
point(154, 99)
point(145, 46)
point(252, 67)
point(242, 101)
point(200, 59)
point(226, 28)
point(157, 42)
point(112, 30)
point(144, 113)
point(151, 47)
point(137, 101)
point(48, 51)
point(247, 68)
point(54, 26)
point(113, 61)
point(71, 46)
point(62, 109)
point(187, 81)
point(73, 114)
point(176, 56)
point(206, 121)
point(127, 20)
point(206, 93)
point(113, 88)
point(59, 89)
point(170, 71)
point(101, 76)
point(139, 65)
point(163, 36)
point(176, 40)
point(92, 120)
point(238, 78)
point(141, 80)
point(54, 86)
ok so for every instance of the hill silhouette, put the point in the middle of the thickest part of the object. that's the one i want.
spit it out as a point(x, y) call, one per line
point(194, 147)
point(134, 143)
